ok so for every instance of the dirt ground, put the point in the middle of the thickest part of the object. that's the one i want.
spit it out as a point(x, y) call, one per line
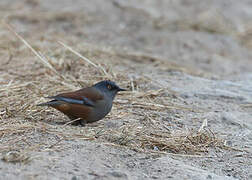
point(186, 63)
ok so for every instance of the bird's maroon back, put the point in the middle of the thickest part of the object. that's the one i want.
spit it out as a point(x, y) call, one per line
point(90, 93)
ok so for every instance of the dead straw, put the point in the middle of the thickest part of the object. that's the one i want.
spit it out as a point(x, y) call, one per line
point(39, 55)
point(85, 59)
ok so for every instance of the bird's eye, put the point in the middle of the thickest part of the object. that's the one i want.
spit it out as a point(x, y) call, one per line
point(109, 87)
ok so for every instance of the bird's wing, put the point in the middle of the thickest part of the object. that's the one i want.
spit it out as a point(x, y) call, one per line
point(86, 96)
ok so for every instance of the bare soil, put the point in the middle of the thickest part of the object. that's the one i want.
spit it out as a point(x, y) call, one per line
point(187, 65)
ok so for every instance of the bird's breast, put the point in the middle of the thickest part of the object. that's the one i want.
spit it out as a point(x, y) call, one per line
point(100, 110)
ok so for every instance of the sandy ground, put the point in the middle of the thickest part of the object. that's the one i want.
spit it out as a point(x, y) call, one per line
point(185, 62)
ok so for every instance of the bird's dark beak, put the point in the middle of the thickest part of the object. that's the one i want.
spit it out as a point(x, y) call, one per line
point(120, 89)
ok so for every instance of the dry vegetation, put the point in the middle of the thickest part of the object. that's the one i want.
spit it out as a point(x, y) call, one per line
point(26, 127)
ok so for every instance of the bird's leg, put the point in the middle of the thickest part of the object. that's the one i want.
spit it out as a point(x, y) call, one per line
point(83, 122)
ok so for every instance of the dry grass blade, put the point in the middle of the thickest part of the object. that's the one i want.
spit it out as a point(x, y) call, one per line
point(204, 124)
point(84, 58)
point(151, 93)
point(43, 60)
point(247, 105)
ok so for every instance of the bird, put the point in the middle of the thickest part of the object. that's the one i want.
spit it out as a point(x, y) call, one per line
point(86, 105)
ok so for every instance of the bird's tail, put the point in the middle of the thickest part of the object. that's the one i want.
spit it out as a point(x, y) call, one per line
point(50, 103)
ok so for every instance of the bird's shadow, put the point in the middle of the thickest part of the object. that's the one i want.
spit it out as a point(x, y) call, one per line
point(76, 123)
point(64, 123)
point(67, 122)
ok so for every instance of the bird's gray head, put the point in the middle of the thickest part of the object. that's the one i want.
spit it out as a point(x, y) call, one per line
point(108, 87)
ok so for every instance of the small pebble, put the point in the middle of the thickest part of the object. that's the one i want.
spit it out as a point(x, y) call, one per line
point(118, 174)
point(74, 178)
point(209, 177)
